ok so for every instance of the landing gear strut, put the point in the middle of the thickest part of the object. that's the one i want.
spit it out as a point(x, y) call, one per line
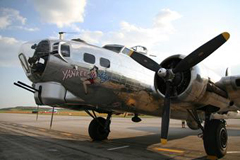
point(99, 127)
point(215, 135)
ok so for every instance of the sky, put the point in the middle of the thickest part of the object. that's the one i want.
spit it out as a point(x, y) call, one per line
point(165, 27)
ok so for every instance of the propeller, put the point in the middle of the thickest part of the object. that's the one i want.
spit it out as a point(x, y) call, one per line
point(171, 75)
point(145, 61)
point(201, 53)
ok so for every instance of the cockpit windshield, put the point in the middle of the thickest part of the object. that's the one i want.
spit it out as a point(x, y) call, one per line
point(116, 49)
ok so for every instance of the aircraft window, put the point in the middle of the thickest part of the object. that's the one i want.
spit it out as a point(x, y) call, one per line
point(65, 50)
point(114, 49)
point(126, 51)
point(89, 58)
point(104, 62)
point(238, 82)
point(24, 63)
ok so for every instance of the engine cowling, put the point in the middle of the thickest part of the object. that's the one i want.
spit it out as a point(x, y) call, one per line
point(191, 85)
point(232, 85)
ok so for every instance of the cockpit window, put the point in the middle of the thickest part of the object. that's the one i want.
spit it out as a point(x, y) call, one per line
point(126, 51)
point(65, 50)
point(114, 48)
point(89, 58)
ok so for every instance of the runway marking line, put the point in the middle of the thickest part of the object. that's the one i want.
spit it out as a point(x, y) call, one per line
point(115, 148)
point(169, 150)
point(233, 152)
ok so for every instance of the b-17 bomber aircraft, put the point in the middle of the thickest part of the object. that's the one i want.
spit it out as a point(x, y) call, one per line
point(111, 79)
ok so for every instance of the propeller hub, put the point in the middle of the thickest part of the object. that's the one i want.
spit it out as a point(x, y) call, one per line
point(162, 72)
point(166, 74)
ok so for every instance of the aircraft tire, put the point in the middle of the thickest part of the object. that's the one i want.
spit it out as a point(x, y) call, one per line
point(96, 129)
point(215, 138)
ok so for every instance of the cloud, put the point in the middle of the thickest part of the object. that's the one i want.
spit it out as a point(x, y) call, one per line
point(10, 16)
point(30, 29)
point(61, 12)
point(165, 18)
point(8, 51)
point(11, 19)
point(92, 36)
point(130, 34)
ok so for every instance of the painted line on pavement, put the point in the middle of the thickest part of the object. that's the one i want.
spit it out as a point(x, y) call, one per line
point(111, 149)
point(169, 150)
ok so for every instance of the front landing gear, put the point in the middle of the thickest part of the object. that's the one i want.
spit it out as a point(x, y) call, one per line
point(215, 138)
point(99, 128)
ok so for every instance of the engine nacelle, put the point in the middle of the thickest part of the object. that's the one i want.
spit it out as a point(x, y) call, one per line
point(232, 85)
point(193, 82)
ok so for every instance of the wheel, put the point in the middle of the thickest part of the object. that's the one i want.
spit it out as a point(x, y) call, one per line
point(215, 138)
point(96, 129)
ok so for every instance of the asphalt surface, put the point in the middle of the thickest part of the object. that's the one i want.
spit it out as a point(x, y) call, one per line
point(22, 137)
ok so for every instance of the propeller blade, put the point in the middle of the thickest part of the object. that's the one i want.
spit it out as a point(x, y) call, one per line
point(201, 53)
point(166, 114)
point(144, 61)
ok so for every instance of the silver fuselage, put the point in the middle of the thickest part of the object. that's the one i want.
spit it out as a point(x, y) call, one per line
point(123, 86)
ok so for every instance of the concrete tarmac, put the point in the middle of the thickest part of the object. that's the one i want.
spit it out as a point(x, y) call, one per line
point(23, 138)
